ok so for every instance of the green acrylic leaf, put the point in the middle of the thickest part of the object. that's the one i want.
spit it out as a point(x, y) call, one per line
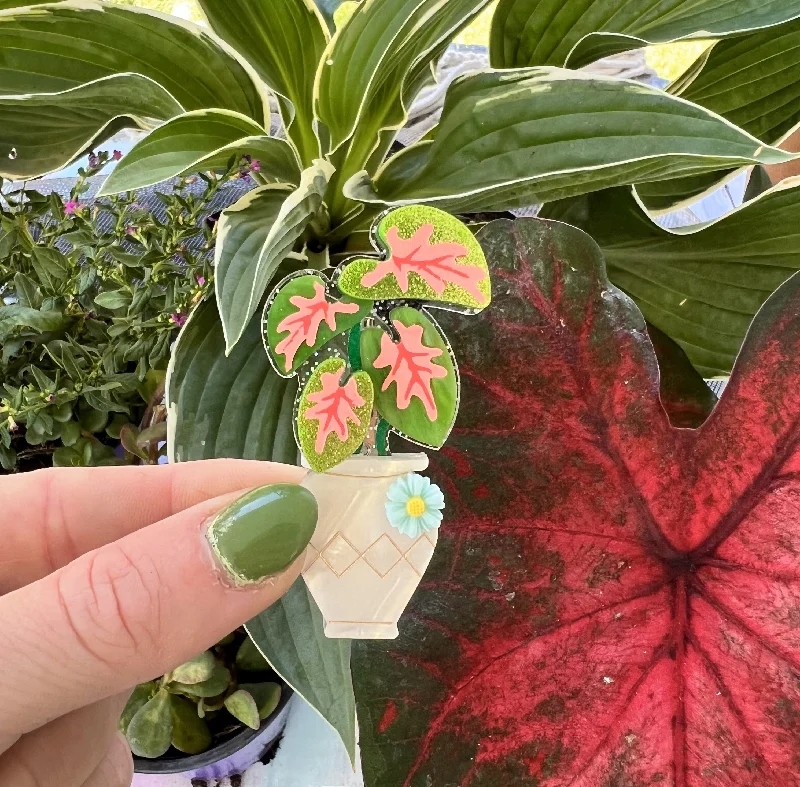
point(290, 635)
point(299, 316)
point(242, 706)
point(196, 670)
point(333, 414)
point(426, 254)
point(266, 695)
point(150, 730)
point(190, 733)
point(416, 381)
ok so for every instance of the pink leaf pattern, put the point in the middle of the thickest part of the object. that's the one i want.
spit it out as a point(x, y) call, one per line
point(333, 407)
point(303, 325)
point(412, 367)
point(435, 263)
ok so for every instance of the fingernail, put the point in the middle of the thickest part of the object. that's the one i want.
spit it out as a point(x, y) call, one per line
point(263, 532)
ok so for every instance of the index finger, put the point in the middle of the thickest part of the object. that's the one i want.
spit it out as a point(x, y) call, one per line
point(51, 517)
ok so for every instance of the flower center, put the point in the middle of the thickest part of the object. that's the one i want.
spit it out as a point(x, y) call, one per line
point(415, 506)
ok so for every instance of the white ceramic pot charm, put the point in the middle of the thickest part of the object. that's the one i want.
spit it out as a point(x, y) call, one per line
point(371, 361)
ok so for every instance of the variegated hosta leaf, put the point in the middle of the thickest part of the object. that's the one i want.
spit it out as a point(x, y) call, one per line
point(701, 285)
point(367, 68)
point(426, 254)
point(514, 138)
point(578, 32)
point(327, 8)
point(284, 41)
point(52, 48)
point(752, 81)
point(42, 132)
point(333, 414)
point(414, 375)
point(302, 315)
point(201, 140)
point(253, 238)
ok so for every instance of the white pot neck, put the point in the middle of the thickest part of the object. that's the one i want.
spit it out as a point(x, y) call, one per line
point(378, 466)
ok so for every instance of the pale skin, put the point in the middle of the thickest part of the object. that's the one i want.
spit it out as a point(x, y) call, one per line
point(106, 581)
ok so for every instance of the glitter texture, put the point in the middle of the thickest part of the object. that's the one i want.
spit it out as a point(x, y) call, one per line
point(408, 220)
point(335, 450)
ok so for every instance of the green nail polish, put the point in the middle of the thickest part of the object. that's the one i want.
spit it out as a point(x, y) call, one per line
point(263, 532)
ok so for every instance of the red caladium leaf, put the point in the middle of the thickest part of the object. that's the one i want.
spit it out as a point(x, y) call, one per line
point(411, 367)
point(614, 601)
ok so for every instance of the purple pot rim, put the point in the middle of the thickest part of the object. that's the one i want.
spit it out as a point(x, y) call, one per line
point(222, 751)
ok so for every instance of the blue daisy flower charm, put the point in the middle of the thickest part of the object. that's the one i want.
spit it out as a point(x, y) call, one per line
point(414, 505)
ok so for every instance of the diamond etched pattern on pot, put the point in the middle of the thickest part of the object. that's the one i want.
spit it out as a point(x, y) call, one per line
point(339, 554)
point(420, 554)
point(383, 555)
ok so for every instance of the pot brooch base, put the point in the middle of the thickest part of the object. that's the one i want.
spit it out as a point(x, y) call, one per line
point(372, 361)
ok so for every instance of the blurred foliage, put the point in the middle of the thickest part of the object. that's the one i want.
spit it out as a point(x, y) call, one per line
point(202, 702)
point(92, 297)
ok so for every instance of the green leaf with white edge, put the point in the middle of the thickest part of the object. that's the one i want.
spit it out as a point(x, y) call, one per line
point(575, 33)
point(43, 132)
point(253, 238)
point(416, 391)
point(751, 81)
point(150, 730)
point(427, 255)
point(333, 414)
point(376, 63)
point(197, 141)
point(703, 284)
point(238, 407)
point(328, 8)
point(226, 406)
point(242, 706)
point(515, 138)
point(266, 695)
point(95, 40)
point(284, 41)
point(195, 670)
point(190, 733)
point(290, 635)
point(303, 315)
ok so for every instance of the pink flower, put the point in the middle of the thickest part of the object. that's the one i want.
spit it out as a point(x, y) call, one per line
point(178, 319)
point(255, 166)
point(93, 160)
point(201, 280)
point(71, 207)
point(130, 230)
point(117, 155)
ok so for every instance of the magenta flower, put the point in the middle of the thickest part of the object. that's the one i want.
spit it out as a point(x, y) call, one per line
point(201, 280)
point(178, 319)
point(130, 230)
point(71, 207)
point(93, 160)
point(117, 155)
point(255, 166)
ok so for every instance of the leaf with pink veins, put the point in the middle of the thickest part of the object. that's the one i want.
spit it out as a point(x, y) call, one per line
point(303, 325)
point(435, 263)
point(411, 367)
point(333, 407)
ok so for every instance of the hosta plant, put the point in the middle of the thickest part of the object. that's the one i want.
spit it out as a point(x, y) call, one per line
point(599, 151)
point(203, 702)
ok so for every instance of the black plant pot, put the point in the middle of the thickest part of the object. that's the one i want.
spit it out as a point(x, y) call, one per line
point(229, 757)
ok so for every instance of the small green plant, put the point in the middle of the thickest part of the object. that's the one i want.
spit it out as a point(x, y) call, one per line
point(202, 702)
point(93, 295)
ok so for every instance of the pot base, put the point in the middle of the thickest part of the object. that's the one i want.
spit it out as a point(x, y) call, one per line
point(345, 629)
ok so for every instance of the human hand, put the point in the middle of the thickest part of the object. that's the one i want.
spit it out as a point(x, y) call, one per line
point(113, 576)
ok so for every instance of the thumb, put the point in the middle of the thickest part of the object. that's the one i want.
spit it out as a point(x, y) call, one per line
point(138, 607)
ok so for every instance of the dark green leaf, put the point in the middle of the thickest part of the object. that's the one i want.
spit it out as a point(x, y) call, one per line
point(249, 658)
point(15, 316)
point(141, 694)
point(510, 139)
point(290, 636)
point(190, 733)
point(50, 266)
point(28, 293)
point(266, 695)
point(113, 299)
